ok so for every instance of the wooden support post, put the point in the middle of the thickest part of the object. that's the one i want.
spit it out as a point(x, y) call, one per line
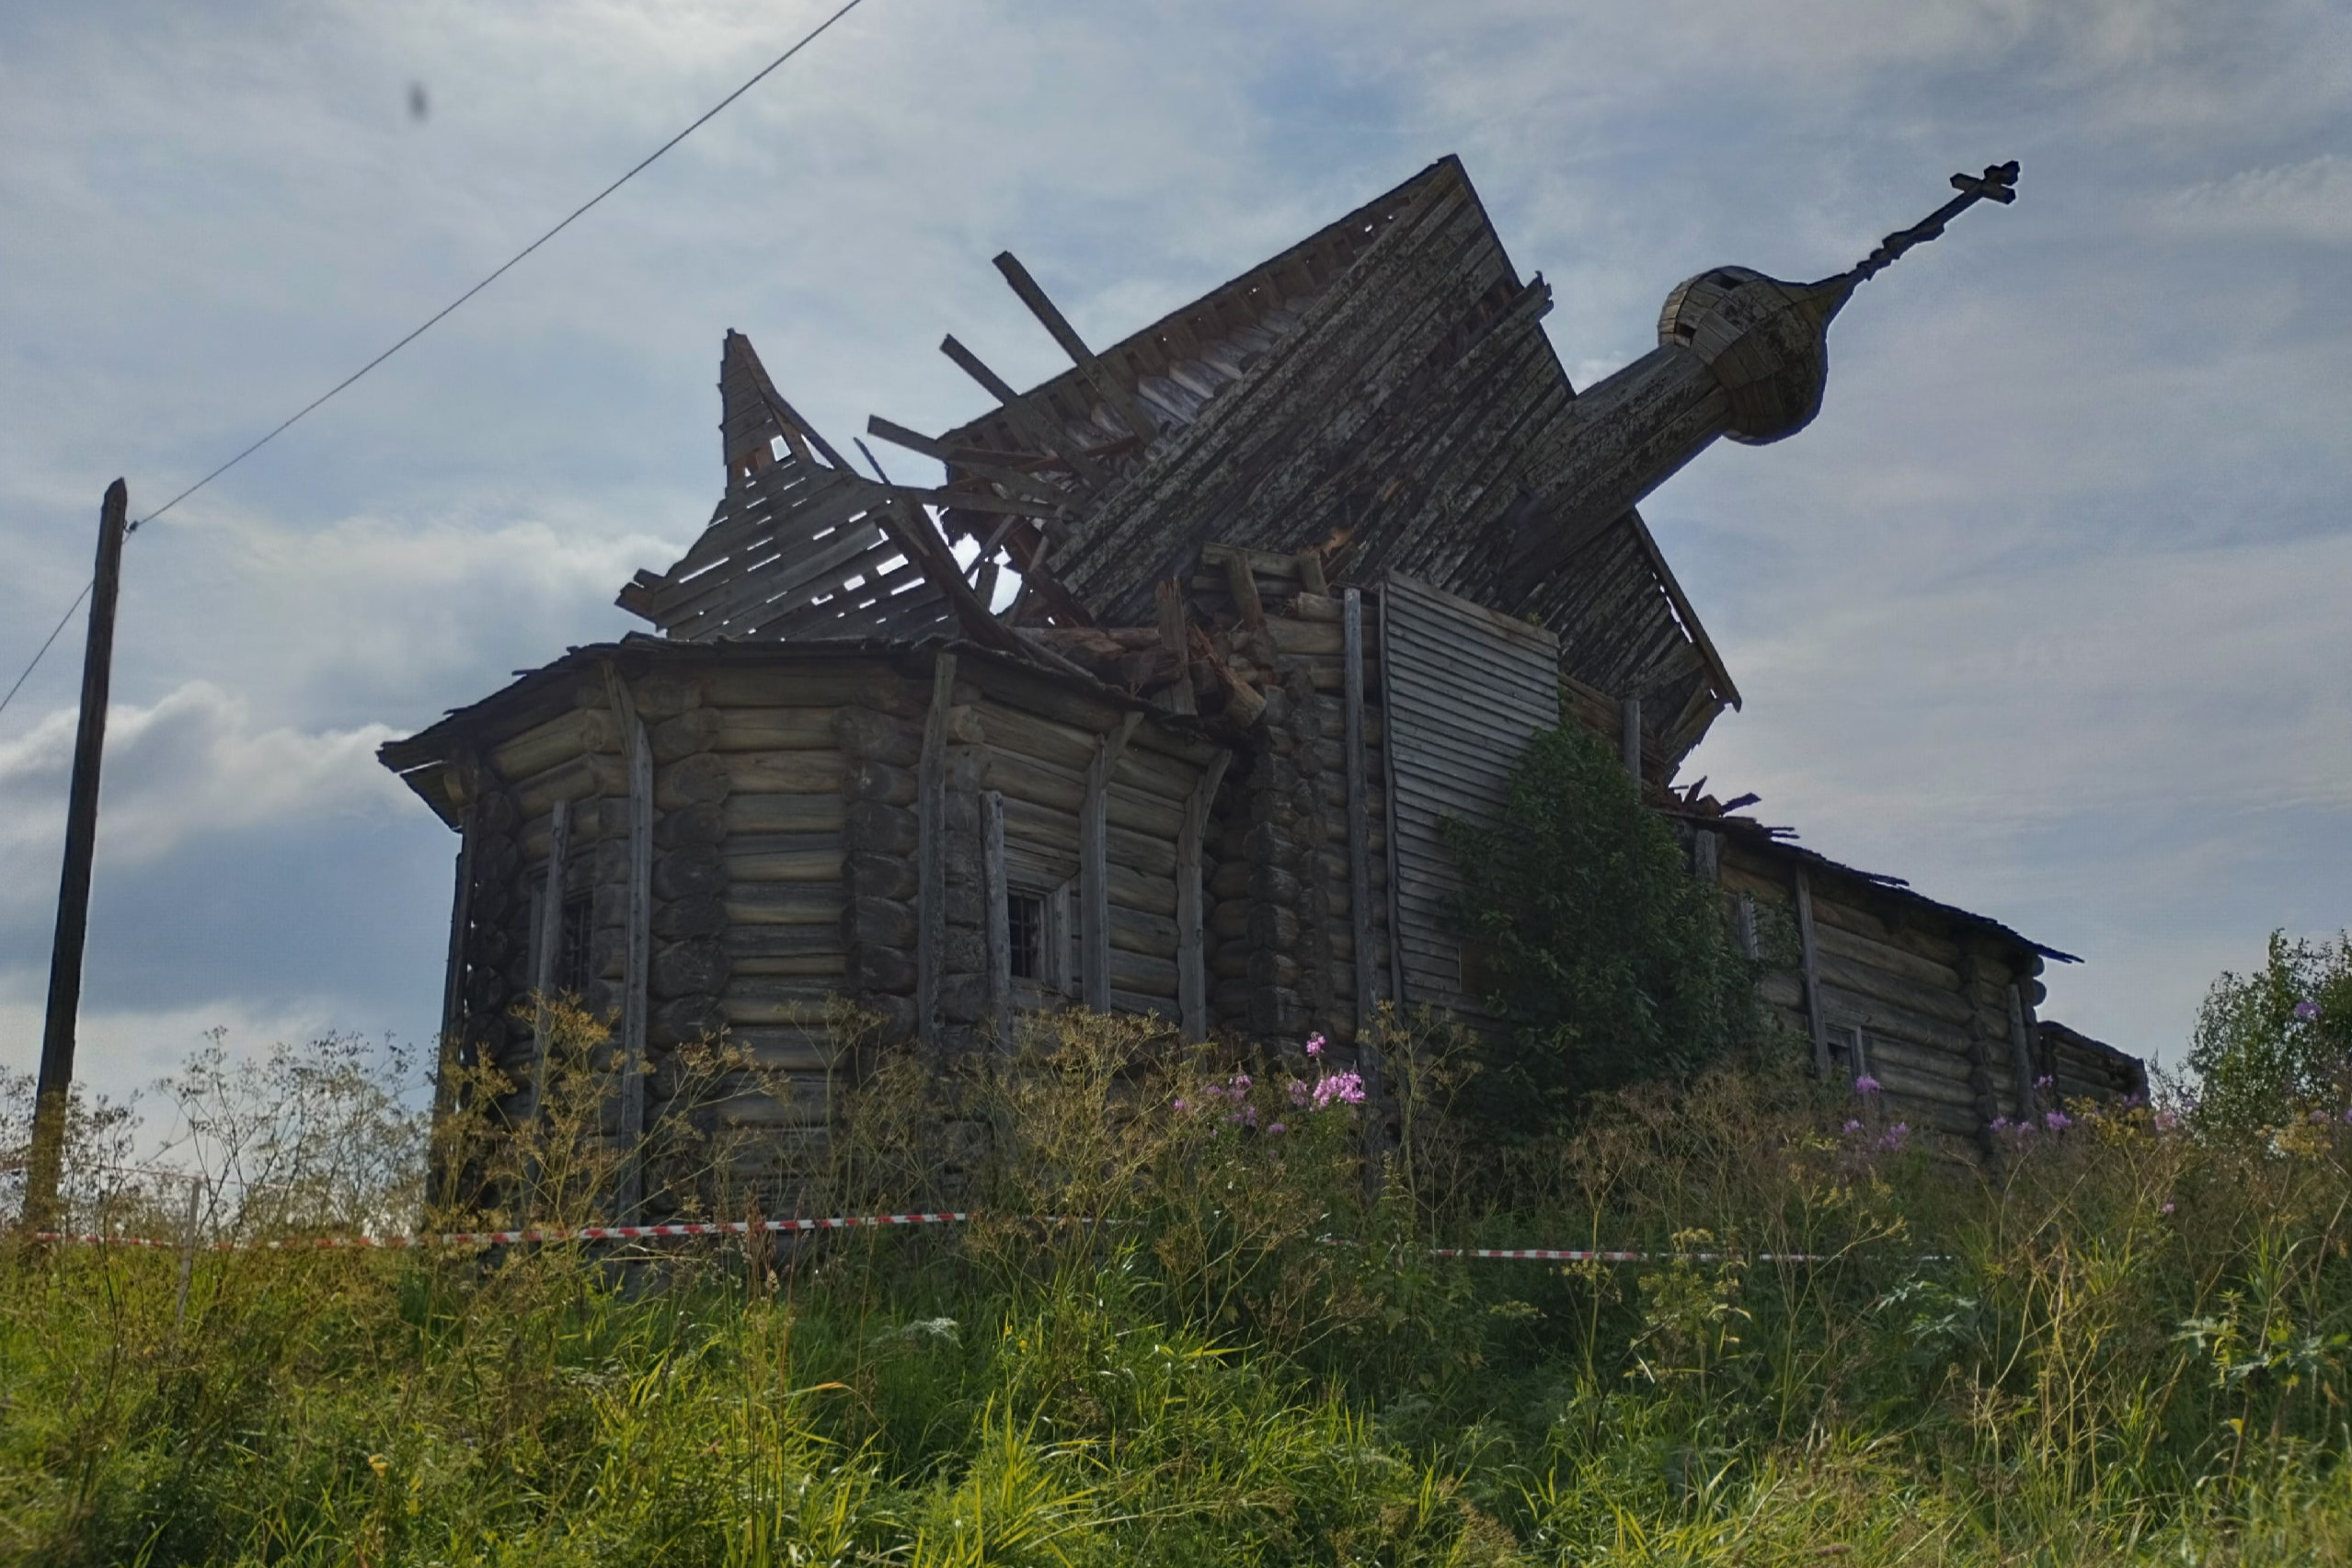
point(1311, 574)
point(1706, 856)
point(1388, 788)
point(1177, 641)
point(638, 964)
point(1743, 928)
point(1814, 1017)
point(547, 954)
point(2021, 1046)
point(996, 891)
point(931, 838)
point(451, 1053)
point(1244, 582)
point(53, 1089)
point(1630, 714)
point(1192, 965)
point(1360, 809)
point(1098, 375)
point(1094, 867)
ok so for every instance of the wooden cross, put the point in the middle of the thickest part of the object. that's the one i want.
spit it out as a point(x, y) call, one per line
point(1997, 183)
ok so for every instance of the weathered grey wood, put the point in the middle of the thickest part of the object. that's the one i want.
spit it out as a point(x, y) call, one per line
point(995, 894)
point(1192, 976)
point(2021, 1046)
point(1098, 375)
point(1093, 865)
point(549, 948)
point(931, 807)
point(54, 1086)
point(1176, 640)
point(1359, 829)
point(1706, 856)
point(1629, 713)
point(1743, 927)
point(1031, 425)
point(449, 1048)
point(1396, 991)
point(639, 964)
point(1243, 580)
point(1815, 1018)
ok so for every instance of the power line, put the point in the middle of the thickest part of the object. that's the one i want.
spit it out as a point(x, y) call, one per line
point(577, 212)
point(51, 638)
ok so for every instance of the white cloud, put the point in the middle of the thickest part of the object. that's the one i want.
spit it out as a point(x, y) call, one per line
point(2306, 200)
point(192, 764)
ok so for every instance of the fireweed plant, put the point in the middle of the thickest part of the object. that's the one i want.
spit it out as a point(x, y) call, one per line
point(1181, 1327)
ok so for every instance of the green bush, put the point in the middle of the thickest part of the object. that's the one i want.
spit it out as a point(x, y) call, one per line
point(1173, 1336)
point(2274, 1046)
point(1606, 961)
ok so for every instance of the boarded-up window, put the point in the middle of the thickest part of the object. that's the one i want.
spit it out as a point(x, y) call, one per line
point(1464, 689)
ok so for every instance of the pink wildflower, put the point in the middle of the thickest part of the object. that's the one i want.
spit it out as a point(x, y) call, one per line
point(1344, 1087)
point(1865, 1084)
point(1276, 1129)
point(2166, 1209)
point(1854, 1127)
point(2057, 1121)
point(1182, 1106)
point(1315, 1044)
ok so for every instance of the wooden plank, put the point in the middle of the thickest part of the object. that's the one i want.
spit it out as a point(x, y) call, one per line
point(2021, 1046)
point(1815, 1020)
point(1098, 375)
point(1359, 869)
point(1245, 587)
point(639, 962)
point(1176, 641)
point(450, 1048)
point(1629, 743)
point(547, 952)
point(996, 897)
point(1094, 867)
point(762, 813)
point(931, 813)
point(1192, 977)
point(1025, 416)
point(775, 729)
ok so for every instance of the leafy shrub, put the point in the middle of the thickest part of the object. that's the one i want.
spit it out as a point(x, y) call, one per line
point(2273, 1046)
point(1606, 961)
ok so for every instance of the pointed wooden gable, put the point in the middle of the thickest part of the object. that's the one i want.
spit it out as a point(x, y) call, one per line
point(800, 548)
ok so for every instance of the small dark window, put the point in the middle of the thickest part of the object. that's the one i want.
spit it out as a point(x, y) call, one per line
point(1025, 921)
point(575, 943)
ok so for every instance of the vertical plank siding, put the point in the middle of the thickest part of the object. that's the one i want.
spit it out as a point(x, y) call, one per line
point(1466, 689)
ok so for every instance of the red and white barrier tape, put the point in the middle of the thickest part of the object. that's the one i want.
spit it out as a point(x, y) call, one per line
point(510, 1238)
point(1575, 1254)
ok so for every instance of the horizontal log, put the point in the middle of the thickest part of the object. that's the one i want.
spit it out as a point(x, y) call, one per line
point(582, 778)
point(784, 857)
point(785, 772)
point(1145, 975)
point(775, 729)
point(786, 1048)
point(1905, 1086)
point(1845, 1007)
point(761, 999)
point(752, 944)
point(1044, 829)
point(1881, 955)
point(1028, 734)
point(559, 740)
point(783, 903)
point(1871, 980)
point(783, 813)
point(1915, 936)
point(1133, 931)
point(1141, 1003)
point(1949, 1065)
point(1145, 895)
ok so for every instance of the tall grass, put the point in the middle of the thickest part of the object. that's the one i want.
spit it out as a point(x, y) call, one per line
point(1174, 1335)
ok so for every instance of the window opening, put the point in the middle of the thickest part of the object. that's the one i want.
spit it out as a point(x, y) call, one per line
point(574, 941)
point(1024, 920)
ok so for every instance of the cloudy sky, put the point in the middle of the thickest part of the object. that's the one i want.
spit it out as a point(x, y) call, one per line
point(2048, 612)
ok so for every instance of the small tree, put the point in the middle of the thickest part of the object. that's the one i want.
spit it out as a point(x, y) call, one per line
point(1607, 961)
point(2276, 1044)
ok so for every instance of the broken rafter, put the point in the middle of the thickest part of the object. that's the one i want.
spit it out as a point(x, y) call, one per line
point(1013, 481)
point(1098, 375)
point(1032, 424)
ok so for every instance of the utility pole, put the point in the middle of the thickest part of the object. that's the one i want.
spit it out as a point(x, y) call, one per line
point(48, 1154)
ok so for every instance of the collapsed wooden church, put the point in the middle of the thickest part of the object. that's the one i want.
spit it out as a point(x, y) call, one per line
point(1246, 605)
